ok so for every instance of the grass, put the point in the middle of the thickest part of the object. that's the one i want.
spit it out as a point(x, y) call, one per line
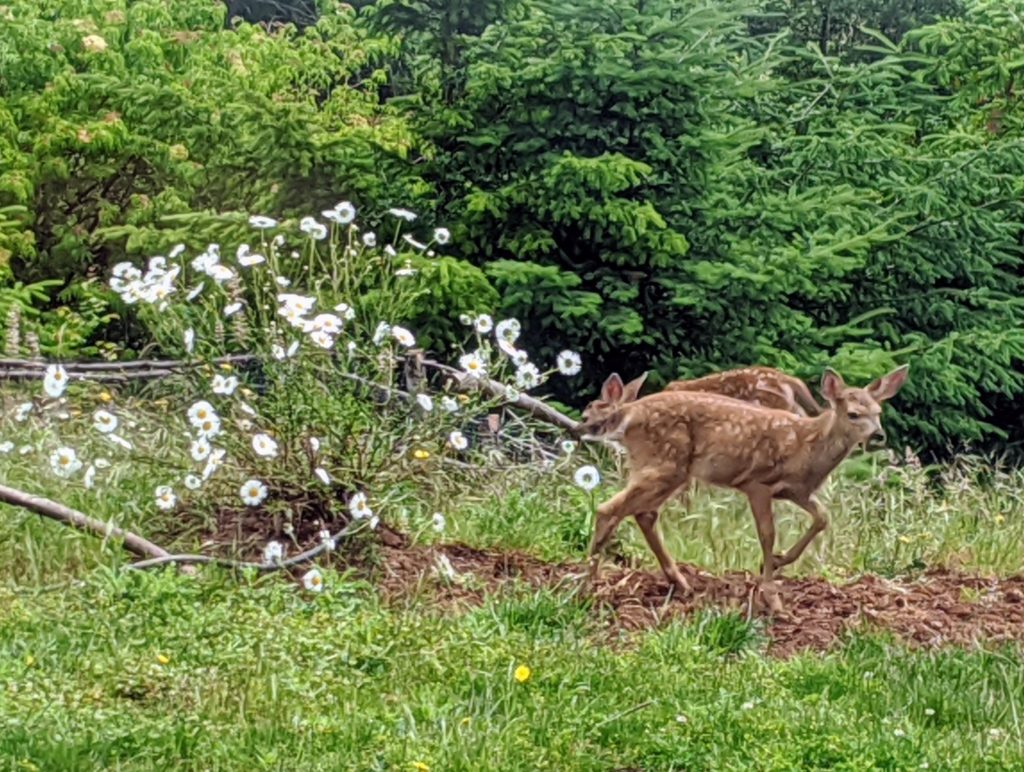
point(102, 668)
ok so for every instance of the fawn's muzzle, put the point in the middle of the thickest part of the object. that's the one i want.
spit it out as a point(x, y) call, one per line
point(876, 440)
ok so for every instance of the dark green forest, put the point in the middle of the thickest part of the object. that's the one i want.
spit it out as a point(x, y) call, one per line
point(668, 185)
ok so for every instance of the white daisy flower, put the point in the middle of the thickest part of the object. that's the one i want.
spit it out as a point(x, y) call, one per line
point(199, 449)
point(6, 446)
point(512, 394)
point(402, 214)
point(22, 411)
point(301, 303)
point(220, 273)
point(458, 440)
point(321, 473)
point(403, 336)
point(507, 330)
point(55, 380)
point(252, 493)
point(209, 428)
point(313, 581)
point(264, 445)
point(250, 259)
point(520, 357)
point(261, 222)
point(483, 324)
point(439, 522)
point(347, 312)
point(65, 462)
point(442, 235)
point(225, 385)
point(273, 552)
point(200, 411)
point(568, 446)
point(190, 340)
point(282, 281)
point(450, 405)
point(327, 540)
point(165, 498)
point(569, 363)
point(322, 339)
point(527, 376)
point(329, 323)
point(311, 227)
point(193, 482)
point(425, 402)
point(382, 331)
point(473, 364)
point(359, 507)
point(104, 421)
point(587, 477)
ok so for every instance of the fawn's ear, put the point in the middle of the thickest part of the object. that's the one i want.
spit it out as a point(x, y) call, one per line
point(887, 386)
point(612, 389)
point(832, 384)
point(632, 389)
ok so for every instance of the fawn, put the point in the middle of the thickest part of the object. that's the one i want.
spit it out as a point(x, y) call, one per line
point(767, 454)
point(764, 386)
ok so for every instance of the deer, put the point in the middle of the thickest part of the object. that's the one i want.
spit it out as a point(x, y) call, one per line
point(674, 437)
point(759, 385)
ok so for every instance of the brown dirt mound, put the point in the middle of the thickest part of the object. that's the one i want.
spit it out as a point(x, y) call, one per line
point(939, 608)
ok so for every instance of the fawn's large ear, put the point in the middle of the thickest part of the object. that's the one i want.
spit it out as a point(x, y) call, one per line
point(632, 389)
point(887, 386)
point(612, 389)
point(832, 384)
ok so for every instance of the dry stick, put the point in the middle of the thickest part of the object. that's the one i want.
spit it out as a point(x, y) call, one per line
point(302, 557)
point(48, 508)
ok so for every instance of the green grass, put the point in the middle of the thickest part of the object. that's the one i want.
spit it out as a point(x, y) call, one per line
point(159, 671)
point(103, 668)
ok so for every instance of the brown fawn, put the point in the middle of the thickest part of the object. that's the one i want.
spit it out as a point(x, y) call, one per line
point(764, 386)
point(674, 437)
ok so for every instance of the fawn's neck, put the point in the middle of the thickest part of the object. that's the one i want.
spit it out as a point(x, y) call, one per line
point(832, 442)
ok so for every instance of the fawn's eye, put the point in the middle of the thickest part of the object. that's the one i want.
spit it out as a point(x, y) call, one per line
point(853, 416)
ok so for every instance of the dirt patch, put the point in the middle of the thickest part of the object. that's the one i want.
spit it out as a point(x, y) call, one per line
point(940, 608)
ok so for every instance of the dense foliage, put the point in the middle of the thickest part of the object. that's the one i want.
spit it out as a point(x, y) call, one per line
point(678, 185)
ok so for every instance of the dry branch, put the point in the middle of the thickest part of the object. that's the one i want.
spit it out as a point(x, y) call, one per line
point(51, 509)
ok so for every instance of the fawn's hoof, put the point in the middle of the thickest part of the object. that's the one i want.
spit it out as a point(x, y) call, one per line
point(770, 594)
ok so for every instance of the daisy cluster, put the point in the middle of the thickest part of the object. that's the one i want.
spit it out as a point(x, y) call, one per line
point(256, 283)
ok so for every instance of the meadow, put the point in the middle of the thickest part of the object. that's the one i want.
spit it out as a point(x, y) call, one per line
point(450, 626)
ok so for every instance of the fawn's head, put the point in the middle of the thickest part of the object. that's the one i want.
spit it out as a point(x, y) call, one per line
point(861, 408)
point(614, 394)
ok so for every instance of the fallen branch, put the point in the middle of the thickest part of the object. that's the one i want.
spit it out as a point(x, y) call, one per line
point(302, 557)
point(51, 509)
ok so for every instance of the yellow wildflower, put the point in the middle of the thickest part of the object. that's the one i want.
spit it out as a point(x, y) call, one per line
point(999, 519)
point(106, 396)
point(226, 366)
point(163, 659)
point(420, 454)
point(30, 661)
point(905, 539)
point(420, 766)
point(522, 674)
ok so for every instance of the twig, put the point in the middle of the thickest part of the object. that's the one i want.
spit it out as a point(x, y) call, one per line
point(623, 713)
point(51, 509)
point(302, 557)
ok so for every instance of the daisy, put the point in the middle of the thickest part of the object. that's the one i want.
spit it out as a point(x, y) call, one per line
point(261, 222)
point(382, 331)
point(104, 421)
point(458, 440)
point(587, 477)
point(403, 214)
point(224, 384)
point(359, 507)
point(483, 324)
point(209, 428)
point(449, 405)
point(442, 235)
point(527, 376)
point(22, 411)
point(425, 402)
point(201, 411)
point(568, 446)
point(329, 323)
point(199, 449)
point(55, 380)
point(403, 336)
point(321, 473)
point(252, 493)
point(165, 498)
point(327, 540)
point(65, 462)
point(322, 339)
point(264, 445)
point(273, 552)
point(507, 330)
point(473, 364)
point(251, 259)
point(569, 363)
point(193, 482)
point(313, 581)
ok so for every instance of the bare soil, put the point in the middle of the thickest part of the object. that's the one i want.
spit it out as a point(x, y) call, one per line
point(939, 608)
